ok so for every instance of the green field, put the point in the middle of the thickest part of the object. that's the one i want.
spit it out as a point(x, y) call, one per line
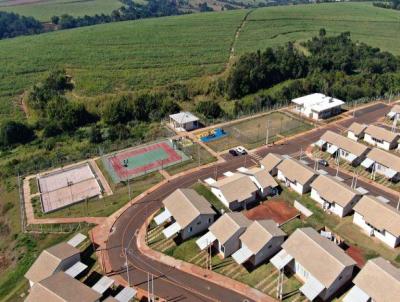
point(127, 56)
point(45, 9)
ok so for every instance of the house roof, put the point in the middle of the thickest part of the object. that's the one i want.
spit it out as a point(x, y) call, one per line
point(259, 233)
point(236, 187)
point(318, 102)
point(49, 260)
point(262, 176)
point(385, 158)
point(379, 214)
point(381, 133)
point(379, 279)
point(61, 287)
point(227, 226)
point(296, 171)
point(271, 161)
point(395, 108)
point(185, 205)
point(184, 117)
point(322, 258)
point(344, 143)
point(333, 190)
point(357, 128)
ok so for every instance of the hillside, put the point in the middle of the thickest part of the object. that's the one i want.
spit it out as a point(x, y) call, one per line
point(43, 10)
point(127, 56)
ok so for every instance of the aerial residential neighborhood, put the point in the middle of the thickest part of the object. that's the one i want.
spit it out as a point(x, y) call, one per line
point(199, 151)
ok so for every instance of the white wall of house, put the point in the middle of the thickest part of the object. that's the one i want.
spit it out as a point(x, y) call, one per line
point(218, 193)
point(232, 245)
point(384, 236)
point(334, 207)
point(197, 226)
point(269, 249)
point(379, 143)
point(298, 187)
point(352, 136)
point(381, 169)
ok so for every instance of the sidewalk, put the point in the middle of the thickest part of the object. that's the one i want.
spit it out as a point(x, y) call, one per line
point(197, 271)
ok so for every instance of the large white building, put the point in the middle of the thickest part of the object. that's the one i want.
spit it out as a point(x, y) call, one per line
point(318, 262)
point(318, 106)
point(184, 121)
point(378, 219)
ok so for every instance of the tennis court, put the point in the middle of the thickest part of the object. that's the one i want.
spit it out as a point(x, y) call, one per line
point(138, 161)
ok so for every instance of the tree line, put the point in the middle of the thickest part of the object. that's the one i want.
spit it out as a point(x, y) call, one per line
point(13, 25)
point(334, 65)
point(393, 4)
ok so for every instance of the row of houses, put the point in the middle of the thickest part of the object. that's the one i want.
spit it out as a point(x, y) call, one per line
point(375, 161)
point(54, 277)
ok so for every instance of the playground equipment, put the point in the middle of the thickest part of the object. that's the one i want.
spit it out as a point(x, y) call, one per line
point(212, 135)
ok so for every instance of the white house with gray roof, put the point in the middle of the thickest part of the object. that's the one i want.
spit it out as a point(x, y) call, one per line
point(319, 263)
point(270, 163)
point(381, 137)
point(187, 213)
point(260, 241)
point(224, 234)
point(264, 181)
point(184, 121)
point(378, 280)
point(383, 163)
point(378, 219)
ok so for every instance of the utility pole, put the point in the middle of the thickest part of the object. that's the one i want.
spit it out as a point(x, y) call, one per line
point(127, 270)
point(129, 188)
point(198, 153)
point(398, 204)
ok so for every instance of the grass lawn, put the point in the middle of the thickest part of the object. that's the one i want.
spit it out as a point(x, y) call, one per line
point(44, 10)
point(252, 133)
point(199, 156)
point(206, 192)
point(108, 204)
point(33, 184)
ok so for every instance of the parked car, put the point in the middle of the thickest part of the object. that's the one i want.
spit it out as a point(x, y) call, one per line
point(241, 150)
point(233, 152)
point(323, 162)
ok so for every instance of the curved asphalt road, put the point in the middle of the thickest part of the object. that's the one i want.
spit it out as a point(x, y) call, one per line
point(173, 284)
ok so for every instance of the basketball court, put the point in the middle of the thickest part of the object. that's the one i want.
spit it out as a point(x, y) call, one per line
point(139, 161)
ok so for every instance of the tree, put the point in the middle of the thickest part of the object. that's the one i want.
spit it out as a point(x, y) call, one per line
point(210, 109)
point(12, 133)
point(119, 112)
point(55, 20)
point(95, 135)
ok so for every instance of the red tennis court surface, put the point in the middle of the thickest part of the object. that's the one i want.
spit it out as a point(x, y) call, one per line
point(144, 159)
point(276, 209)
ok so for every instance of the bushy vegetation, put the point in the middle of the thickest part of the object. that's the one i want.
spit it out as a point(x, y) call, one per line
point(393, 4)
point(335, 65)
point(13, 25)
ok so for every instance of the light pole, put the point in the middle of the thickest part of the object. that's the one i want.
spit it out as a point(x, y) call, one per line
point(127, 270)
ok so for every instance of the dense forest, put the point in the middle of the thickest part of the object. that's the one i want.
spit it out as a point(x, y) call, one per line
point(334, 65)
point(12, 25)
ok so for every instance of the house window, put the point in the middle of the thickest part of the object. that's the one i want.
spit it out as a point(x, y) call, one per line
point(190, 229)
point(222, 249)
point(199, 222)
point(209, 220)
point(269, 246)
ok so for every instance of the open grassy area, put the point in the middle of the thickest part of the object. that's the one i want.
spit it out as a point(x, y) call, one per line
point(206, 192)
point(274, 26)
point(252, 132)
point(198, 156)
point(43, 10)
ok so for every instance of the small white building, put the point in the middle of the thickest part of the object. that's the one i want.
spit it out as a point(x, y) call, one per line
point(378, 219)
point(187, 212)
point(318, 106)
point(235, 191)
point(381, 137)
point(261, 240)
point(270, 162)
point(394, 113)
point(264, 181)
point(57, 258)
point(333, 195)
point(184, 121)
point(356, 131)
point(378, 280)
point(342, 147)
point(224, 234)
point(296, 175)
point(318, 262)
point(383, 163)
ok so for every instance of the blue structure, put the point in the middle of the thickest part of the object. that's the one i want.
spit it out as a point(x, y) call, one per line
point(212, 136)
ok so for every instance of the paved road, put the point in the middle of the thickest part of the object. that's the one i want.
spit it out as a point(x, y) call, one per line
point(176, 285)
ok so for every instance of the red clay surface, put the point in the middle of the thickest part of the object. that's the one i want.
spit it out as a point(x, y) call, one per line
point(276, 209)
point(356, 254)
point(122, 172)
